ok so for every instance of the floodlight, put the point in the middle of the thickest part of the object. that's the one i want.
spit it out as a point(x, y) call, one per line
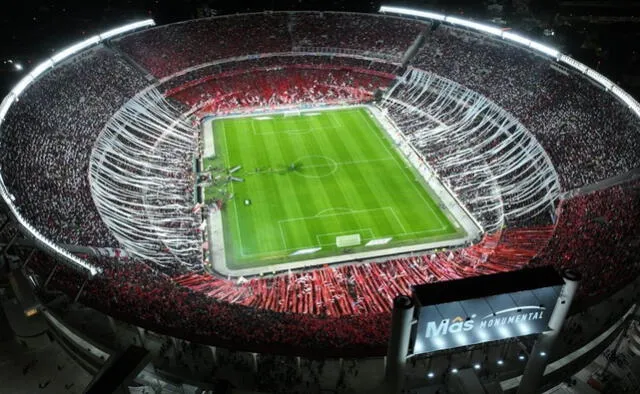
point(409, 11)
point(22, 85)
point(544, 49)
point(474, 25)
point(75, 48)
point(516, 38)
point(126, 28)
point(574, 63)
point(40, 68)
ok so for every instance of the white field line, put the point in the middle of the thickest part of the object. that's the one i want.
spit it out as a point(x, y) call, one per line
point(286, 249)
point(235, 207)
point(358, 231)
point(358, 211)
point(398, 220)
point(412, 182)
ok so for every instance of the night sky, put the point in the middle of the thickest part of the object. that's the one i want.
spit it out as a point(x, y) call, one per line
point(34, 29)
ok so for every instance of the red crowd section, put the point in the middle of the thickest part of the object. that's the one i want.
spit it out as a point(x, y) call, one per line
point(370, 287)
point(599, 235)
point(337, 312)
point(344, 311)
point(239, 90)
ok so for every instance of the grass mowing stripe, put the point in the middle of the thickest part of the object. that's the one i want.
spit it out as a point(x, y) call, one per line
point(339, 183)
point(370, 177)
point(269, 196)
point(410, 175)
point(299, 190)
point(349, 172)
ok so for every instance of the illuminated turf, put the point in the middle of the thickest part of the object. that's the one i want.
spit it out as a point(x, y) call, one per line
point(311, 177)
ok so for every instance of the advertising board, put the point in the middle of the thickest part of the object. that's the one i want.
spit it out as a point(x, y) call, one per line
point(486, 308)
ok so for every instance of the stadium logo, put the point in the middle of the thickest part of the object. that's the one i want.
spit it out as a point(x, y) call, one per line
point(448, 326)
point(500, 318)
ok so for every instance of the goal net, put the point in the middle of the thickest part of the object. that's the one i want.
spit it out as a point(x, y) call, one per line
point(291, 113)
point(344, 241)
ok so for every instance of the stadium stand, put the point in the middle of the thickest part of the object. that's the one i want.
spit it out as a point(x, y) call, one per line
point(343, 310)
point(49, 177)
point(598, 235)
point(266, 88)
point(163, 53)
point(366, 33)
point(570, 117)
point(330, 311)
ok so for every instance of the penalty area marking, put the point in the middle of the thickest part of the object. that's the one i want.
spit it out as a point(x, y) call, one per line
point(301, 130)
point(333, 235)
point(368, 119)
point(284, 222)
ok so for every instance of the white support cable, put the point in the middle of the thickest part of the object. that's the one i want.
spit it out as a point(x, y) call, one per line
point(525, 42)
point(490, 160)
point(141, 178)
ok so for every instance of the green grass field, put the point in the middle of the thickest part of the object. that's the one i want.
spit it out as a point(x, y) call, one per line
point(313, 177)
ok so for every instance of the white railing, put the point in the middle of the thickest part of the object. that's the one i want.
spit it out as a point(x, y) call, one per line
point(15, 95)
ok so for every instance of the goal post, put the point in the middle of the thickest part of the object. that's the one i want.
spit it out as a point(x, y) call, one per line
point(344, 241)
point(293, 112)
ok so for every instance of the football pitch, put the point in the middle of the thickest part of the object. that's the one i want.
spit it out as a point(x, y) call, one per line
point(317, 184)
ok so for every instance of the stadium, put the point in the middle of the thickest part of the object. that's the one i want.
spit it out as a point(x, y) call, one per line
point(266, 192)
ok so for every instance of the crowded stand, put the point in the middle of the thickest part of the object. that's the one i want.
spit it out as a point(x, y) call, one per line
point(474, 146)
point(599, 235)
point(165, 50)
point(577, 123)
point(170, 49)
point(68, 106)
point(342, 310)
point(204, 73)
point(277, 87)
point(330, 311)
point(371, 34)
point(143, 180)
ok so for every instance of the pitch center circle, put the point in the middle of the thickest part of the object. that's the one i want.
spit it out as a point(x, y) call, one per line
point(316, 166)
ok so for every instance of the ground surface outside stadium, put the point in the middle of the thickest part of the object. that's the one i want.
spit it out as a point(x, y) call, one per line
point(309, 180)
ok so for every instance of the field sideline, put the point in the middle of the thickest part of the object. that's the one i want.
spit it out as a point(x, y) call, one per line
point(308, 178)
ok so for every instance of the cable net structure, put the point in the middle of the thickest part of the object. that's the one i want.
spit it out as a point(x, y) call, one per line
point(484, 154)
point(142, 177)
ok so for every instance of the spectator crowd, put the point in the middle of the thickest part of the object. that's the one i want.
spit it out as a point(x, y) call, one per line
point(48, 135)
point(169, 49)
point(46, 142)
point(589, 135)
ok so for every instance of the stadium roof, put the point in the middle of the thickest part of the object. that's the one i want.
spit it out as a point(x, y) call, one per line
point(486, 285)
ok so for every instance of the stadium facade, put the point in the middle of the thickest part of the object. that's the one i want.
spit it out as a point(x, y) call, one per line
point(102, 162)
